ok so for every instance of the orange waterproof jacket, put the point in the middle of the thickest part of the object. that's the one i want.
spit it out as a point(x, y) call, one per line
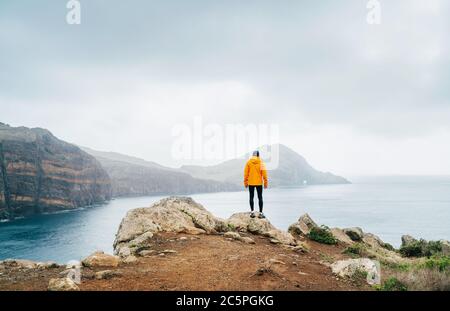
point(255, 172)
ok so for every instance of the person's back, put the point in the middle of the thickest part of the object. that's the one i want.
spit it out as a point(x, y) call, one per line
point(255, 176)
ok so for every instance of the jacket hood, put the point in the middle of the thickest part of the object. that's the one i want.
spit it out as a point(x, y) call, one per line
point(255, 160)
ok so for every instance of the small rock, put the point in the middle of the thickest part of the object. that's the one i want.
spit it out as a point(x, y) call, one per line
point(130, 259)
point(183, 238)
point(168, 251)
point(107, 274)
point(146, 252)
point(62, 284)
point(276, 261)
point(247, 240)
point(232, 235)
point(301, 247)
point(275, 241)
point(47, 265)
point(88, 274)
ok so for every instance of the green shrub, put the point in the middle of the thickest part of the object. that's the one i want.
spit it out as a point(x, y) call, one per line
point(403, 267)
point(441, 263)
point(392, 284)
point(432, 248)
point(231, 227)
point(322, 235)
point(421, 248)
point(356, 249)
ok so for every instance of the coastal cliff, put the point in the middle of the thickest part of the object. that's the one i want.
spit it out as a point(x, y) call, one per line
point(40, 173)
point(132, 176)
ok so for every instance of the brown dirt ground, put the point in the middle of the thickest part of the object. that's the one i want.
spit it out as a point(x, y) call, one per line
point(208, 262)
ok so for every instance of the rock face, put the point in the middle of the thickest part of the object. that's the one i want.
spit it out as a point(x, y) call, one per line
point(348, 268)
point(40, 173)
point(174, 214)
point(184, 215)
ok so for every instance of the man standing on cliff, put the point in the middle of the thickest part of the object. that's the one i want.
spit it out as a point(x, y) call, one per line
point(255, 174)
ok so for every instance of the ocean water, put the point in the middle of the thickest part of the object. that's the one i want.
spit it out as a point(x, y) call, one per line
point(386, 206)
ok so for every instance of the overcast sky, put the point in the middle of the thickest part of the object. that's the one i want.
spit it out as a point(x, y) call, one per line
point(353, 98)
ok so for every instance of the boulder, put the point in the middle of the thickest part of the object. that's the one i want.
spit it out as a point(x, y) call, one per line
point(243, 222)
point(445, 247)
point(372, 240)
point(348, 268)
point(355, 234)
point(341, 236)
point(174, 214)
point(303, 225)
point(100, 259)
point(407, 240)
point(62, 284)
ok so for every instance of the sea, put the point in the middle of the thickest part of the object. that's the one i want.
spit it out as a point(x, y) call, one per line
point(388, 206)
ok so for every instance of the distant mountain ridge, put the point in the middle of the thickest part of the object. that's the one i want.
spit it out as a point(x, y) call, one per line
point(293, 170)
point(131, 176)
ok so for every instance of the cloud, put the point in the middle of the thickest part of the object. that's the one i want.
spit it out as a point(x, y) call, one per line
point(129, 72)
